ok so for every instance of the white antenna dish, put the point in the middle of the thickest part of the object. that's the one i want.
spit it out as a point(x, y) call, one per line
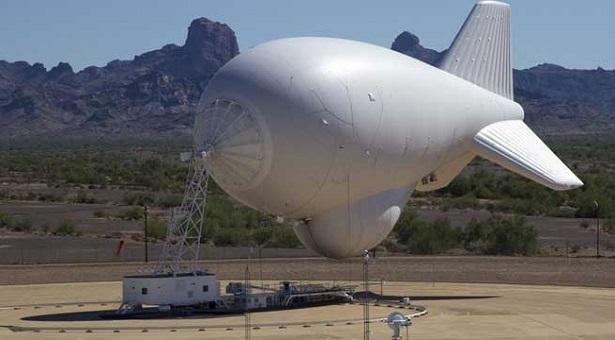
point(395, 321)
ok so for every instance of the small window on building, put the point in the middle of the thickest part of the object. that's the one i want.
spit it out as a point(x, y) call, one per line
point(143, 291)
point(206, 288)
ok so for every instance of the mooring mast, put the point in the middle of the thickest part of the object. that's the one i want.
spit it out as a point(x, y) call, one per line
point(180, 252)
point(176, 279)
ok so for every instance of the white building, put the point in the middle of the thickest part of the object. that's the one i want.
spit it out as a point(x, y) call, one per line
point(174, 290)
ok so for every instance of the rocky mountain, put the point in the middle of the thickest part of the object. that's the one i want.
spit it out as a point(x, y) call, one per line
point(156, 92)
point(409, 44)
point(555, 99)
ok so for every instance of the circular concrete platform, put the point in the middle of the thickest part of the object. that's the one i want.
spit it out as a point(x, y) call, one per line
point(456, 311)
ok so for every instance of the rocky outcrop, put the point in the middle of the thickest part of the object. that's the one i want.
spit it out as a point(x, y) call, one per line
point(555, 99)
point(156, 92)
point(409, 44)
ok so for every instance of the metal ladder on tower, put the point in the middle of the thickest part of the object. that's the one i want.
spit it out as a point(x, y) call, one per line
point(180, 252)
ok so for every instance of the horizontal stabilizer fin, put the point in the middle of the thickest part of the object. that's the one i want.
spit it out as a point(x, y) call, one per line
point(480, 53)
point(513, 145)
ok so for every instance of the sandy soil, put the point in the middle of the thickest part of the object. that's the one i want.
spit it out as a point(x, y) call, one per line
point(456, 311)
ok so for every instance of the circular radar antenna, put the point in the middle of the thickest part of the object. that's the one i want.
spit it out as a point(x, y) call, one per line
point(396, 320)
point(236, 142)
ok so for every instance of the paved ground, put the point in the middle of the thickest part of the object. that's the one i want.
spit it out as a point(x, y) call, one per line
point(456, 311)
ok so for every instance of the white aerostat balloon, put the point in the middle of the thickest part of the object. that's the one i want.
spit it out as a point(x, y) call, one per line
point(338, 133)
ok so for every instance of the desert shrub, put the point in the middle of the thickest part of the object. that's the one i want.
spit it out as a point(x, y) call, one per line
point(283, 237)
point(275, 236)
point(609, 226)
point(460, 186)
point(224, 214)
point(45, 228)
point(157, 228)
point(586, 207)
point(51, 197)
point(518, 195)
point(403, 229)
point(422, 237)
point(131, 214)
point(66, 227)
point(528, 207)
point(564, 212)
point(137, 198)
point(100, 213)
point(575, 248)
point(83, 198)
point(465, 202)
point(499, 235)
point(6, 220)
point(262, 236)
point(23, 224)
point(584, 224)
point(229, 237)
point(168, 200)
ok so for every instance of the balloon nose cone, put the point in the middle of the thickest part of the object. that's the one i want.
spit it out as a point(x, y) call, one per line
point(235, 141)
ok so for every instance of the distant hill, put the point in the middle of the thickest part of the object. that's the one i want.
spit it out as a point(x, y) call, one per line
point(156, 92)
point(556, 100)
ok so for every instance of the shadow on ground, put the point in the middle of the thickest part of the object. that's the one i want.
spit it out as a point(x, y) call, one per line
point(151, 313)
point(106, 315)
point(397, 298)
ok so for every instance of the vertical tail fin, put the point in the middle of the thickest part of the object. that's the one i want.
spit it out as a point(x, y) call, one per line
point(481, 51)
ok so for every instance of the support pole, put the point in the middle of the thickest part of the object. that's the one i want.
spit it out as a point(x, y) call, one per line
point(146, 233)
point(366, 331)
point(247, 308)
point(597, 229)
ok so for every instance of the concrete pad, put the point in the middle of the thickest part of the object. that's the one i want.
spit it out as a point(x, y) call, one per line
point(456, 311)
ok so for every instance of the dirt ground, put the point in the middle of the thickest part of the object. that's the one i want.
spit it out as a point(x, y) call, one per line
point(51, 214)
point(455, 311)
point(470, 269)
point(100, 235)
point(551, 230)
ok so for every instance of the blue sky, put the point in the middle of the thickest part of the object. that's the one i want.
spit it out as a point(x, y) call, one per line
point(575, 34)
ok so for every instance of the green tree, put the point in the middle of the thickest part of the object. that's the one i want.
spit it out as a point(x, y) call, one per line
point(422, 237)
point(499, 235)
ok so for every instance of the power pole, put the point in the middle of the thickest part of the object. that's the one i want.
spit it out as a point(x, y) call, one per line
point(146, 233)
point(366, 331)
point(247, 308)
point(597, 229)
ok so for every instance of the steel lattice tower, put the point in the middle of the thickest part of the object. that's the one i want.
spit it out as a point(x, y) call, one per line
point(180, 252)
